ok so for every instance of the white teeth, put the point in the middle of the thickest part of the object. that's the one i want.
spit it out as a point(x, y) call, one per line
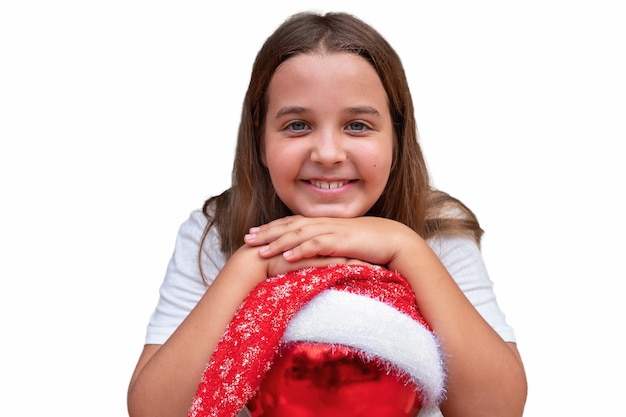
point(328, 185)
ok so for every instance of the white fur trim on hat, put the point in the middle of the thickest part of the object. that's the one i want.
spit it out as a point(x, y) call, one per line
point(376, 329)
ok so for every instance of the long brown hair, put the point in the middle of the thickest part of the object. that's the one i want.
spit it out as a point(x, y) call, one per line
point(408, 196)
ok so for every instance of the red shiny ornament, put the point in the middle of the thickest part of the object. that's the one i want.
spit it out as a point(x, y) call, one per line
point(316, 379)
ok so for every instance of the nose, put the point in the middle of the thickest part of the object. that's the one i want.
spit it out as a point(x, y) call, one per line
point(328, 147)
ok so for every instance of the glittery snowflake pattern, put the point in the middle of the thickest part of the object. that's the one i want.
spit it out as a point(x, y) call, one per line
point(246, 351)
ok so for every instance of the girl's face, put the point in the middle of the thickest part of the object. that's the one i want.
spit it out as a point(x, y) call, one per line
point(328, 136)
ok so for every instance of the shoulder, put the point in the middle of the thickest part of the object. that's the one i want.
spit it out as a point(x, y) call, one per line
point(183, 284)
point(191, 235)
point(196, 222)
point(455, 249)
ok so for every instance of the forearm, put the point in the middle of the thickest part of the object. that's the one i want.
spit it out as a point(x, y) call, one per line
point(486, 378)
point(485, 374)
point(166, 383)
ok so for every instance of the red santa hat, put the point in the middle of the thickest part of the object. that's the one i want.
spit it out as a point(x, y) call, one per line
point(368, 309)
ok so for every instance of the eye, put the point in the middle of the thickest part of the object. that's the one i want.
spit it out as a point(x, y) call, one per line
point(357, 127)
point(297, 126)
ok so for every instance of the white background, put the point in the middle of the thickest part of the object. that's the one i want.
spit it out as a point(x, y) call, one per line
point(118, 118)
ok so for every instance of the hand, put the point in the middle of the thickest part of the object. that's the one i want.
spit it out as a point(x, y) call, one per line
point(267, 266)
point(369, 239)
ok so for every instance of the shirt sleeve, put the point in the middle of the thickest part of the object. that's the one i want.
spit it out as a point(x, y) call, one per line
point(463, 260)
point(183, 285)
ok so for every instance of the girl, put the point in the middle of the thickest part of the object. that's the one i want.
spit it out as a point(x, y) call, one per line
point(328, 170)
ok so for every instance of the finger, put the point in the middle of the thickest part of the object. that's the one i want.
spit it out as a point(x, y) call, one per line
point(277, 241)
point(318, 245)
point(278, 223)
point(269, 232)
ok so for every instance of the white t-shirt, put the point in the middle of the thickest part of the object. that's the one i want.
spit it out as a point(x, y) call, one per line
point(183, 286)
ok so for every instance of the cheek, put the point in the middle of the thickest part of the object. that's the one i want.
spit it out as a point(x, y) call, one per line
point(280, 164)
point(380, 165)
point(383, 172)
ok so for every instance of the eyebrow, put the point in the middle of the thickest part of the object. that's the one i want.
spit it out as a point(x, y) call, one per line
point(350, 110)
point(362, 109)
point(290, 110)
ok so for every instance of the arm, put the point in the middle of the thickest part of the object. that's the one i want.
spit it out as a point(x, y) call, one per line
point(486, 375)
point(166, 376)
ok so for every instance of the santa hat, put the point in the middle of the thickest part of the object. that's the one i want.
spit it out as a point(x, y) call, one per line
point(369, 309)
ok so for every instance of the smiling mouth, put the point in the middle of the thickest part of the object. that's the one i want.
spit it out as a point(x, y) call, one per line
point(328, 185)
